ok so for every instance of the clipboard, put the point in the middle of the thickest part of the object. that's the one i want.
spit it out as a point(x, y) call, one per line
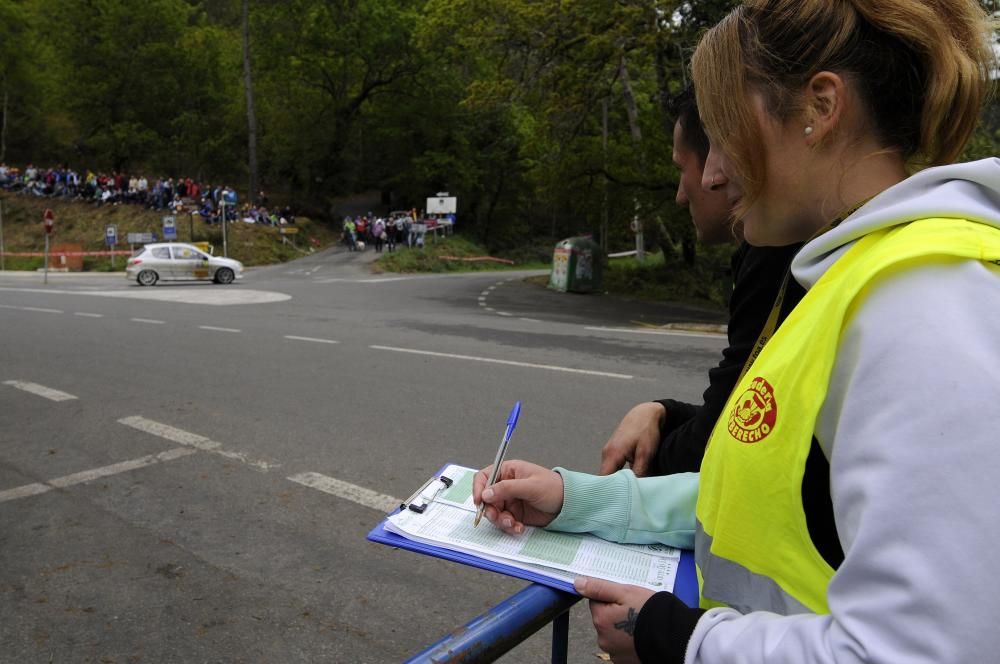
point(685, 584)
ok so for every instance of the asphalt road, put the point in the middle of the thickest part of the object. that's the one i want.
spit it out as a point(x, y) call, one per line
point(161, 449)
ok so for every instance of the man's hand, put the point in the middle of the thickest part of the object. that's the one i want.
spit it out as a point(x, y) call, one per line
point(525, 494)
point(614, 608)
point(635, 441)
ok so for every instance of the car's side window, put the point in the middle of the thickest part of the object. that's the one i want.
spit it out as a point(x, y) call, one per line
point(161, 252)
point(185, 253)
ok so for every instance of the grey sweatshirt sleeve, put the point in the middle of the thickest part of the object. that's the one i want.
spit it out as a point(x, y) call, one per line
point(909, 426)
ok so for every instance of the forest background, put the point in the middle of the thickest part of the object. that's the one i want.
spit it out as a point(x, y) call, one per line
point(545, 118)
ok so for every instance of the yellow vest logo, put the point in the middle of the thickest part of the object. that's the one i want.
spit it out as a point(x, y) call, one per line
point(755, 413)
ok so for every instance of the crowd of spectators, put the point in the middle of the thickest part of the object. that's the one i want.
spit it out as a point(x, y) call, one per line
point(398, 229)
point(163, 193)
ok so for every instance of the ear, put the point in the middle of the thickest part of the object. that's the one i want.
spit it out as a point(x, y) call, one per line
point(824, 105)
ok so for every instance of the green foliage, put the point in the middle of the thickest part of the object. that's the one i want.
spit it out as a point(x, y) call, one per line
point(433, 257)
point(708, 283)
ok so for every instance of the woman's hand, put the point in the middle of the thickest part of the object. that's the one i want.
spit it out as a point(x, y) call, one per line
point(525, 494)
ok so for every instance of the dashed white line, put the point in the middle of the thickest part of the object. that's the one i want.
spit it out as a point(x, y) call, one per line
point(503, 313)
point(149, 321)
point(124, 466)
point(40, 390)
point(95, 473)
point(170, 433)
point(43, 310)
point(352, 492)
point(84, 314)
point(192, 440)
point(512, 363)
point(670, 333)
point(530, 320)
point(218, 329)
point(312, 339)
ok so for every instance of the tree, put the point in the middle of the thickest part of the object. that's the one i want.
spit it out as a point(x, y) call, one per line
point(251, 115)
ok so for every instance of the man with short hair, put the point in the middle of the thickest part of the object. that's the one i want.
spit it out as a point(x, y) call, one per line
point(667, 436)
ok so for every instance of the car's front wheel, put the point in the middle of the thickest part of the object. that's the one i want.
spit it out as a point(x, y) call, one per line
point(147, 278)
point(224, 276)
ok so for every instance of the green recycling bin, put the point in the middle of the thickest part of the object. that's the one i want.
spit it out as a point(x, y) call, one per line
point(576, 265)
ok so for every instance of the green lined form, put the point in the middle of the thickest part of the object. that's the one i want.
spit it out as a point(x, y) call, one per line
point(461, 490)
point(552, 547)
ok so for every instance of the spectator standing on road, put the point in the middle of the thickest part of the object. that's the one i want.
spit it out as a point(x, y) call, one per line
point(350, 234)
point(378, 232)
point(360, 227)
point(400, 226)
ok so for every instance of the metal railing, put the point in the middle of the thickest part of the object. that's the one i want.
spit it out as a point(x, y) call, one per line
point(490, 635)
point(487, 637)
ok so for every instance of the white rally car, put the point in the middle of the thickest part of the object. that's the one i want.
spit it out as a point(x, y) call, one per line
point(176, 261)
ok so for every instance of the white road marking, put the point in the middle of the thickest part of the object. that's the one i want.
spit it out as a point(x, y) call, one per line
point(531, 320)
point(23, 491)
point(86, 315)
point(481, 298)
point(491, 288)
point(503, 313)
point(95, 473)
point(352, 492)
point(170, 433)
point(313, 339)
point(490, 309)
point(364, 281)
point(668, 333)
point(124, 466)
point(218, 329)
point(150, 321)
point(40, 390)
point(204, 294)
point(43, 310)
point(192, 440)
point(512, 363)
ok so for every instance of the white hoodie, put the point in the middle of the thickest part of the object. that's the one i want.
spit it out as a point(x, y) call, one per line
point(910, 427)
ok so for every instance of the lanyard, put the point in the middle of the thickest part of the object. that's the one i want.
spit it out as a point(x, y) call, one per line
point(772, 319)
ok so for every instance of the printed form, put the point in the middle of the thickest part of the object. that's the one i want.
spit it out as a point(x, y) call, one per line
point(447, 522)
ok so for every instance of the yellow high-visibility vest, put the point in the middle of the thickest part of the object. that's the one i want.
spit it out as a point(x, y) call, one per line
point(752, 547)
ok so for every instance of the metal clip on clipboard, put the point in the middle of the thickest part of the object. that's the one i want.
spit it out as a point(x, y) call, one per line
point(419, 501)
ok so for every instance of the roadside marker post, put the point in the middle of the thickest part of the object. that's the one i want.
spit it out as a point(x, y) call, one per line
point(49, 219)
point(111, 237)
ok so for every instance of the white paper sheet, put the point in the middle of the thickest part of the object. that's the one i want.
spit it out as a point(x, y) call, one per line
point(448, 520)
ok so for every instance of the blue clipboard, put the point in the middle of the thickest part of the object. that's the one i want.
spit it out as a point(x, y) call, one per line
point(685, 585)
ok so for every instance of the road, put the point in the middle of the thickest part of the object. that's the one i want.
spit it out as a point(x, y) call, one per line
point(188, 472)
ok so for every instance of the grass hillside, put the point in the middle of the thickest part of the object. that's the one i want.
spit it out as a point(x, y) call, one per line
point(84, 224)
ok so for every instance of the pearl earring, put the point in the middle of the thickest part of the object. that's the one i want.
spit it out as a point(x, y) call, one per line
point(809, 130)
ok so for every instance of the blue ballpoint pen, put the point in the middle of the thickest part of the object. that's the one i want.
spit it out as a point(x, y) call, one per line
point(515, 412)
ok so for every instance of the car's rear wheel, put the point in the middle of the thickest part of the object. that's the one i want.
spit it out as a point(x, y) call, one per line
point(224, 276)
point(147, 278)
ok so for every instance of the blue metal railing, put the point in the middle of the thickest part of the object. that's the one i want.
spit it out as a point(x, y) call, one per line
point(487, 637)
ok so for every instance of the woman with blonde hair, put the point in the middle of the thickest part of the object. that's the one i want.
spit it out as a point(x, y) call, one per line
point(878, 387)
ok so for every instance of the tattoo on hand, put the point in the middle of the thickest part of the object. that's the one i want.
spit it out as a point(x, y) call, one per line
point(628, 625)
